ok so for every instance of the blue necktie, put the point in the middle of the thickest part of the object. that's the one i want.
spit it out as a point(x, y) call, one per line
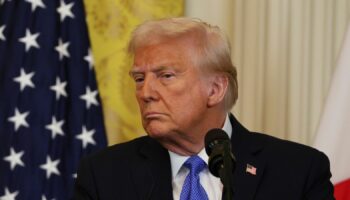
point(192, 189)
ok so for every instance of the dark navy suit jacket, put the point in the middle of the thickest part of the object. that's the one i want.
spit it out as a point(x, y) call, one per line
point(140, 169)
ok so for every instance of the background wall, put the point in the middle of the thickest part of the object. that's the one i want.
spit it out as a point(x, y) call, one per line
point(285, 52)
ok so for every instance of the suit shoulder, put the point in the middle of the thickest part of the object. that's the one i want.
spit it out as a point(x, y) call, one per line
point(283, 147)
point(119, 151)
point(301, 164)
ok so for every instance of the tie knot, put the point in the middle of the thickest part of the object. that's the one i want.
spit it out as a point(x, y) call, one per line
point(195, 164)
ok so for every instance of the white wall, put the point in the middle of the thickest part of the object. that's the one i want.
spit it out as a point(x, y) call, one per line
point(285, 52)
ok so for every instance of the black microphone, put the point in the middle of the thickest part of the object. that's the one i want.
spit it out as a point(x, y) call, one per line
point(221, 160)
point(217, 144)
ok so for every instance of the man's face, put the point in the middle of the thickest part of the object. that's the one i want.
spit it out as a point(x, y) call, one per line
point(171, 92)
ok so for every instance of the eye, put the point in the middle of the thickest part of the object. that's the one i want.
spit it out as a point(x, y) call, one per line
point(167, 75)
point(138, 79)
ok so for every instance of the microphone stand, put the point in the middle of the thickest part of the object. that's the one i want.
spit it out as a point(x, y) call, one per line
point(226, 175)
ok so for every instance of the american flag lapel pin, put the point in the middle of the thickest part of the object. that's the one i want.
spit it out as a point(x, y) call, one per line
point(251, 169)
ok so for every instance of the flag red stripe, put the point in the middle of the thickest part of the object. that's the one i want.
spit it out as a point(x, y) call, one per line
point(342, 190)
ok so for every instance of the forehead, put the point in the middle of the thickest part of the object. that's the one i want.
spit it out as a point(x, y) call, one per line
point(171, 53)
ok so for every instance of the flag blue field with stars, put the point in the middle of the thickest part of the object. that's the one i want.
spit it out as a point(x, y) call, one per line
point(50, 111)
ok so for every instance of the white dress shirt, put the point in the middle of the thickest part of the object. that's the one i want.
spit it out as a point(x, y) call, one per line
point(211, 184)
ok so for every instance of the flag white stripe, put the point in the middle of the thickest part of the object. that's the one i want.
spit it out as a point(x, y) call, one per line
point(333, 136)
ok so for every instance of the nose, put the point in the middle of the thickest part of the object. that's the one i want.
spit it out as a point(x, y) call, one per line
point(148, 91)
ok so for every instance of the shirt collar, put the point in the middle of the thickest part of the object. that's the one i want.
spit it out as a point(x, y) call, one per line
point(177, 160)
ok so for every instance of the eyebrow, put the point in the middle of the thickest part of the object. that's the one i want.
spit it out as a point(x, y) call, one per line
point(157, 69)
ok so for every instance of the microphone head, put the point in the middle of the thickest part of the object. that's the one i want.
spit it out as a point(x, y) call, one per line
point(218, 148)
point(214, 136)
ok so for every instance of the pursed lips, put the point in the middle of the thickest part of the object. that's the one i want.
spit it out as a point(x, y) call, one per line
point(152, 115)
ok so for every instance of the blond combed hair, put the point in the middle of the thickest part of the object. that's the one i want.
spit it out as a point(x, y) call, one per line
point(213, 52)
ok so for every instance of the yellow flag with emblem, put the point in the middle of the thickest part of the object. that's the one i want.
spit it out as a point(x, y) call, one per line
point(110, 23)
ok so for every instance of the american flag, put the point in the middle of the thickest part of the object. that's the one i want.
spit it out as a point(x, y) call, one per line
point(251, 169)
point(50, 112)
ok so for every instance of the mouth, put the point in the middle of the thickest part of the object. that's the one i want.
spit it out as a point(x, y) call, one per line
point(152, 115)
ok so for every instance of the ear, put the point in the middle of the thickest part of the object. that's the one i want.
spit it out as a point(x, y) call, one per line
point(218, 89)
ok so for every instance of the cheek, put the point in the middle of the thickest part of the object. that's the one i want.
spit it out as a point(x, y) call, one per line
point(139, 101)
point(138, 96)
point(186, 102)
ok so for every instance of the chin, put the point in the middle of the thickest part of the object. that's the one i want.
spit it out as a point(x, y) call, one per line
point(156, 134)
point(156, 131)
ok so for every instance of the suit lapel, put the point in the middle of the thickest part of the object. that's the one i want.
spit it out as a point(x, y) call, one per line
point(247, 152)
point(152, 173)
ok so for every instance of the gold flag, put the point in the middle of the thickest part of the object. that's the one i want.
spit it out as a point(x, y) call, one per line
point(110, 23)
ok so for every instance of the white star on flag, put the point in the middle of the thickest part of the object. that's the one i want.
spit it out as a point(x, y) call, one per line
point(19, 119)
point(86, 137)
point(36, 3)
point(14, 158)
point(59, 88)
point(2, 36)
point(50, 167)
point(65, 10)
point(8, 195)
point(61, 48)
point(55, 127)
point(30, 40)
point(89, 58)
point(25, 79)
point(89, 97)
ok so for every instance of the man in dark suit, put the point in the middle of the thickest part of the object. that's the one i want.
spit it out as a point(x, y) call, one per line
point(186, 85)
